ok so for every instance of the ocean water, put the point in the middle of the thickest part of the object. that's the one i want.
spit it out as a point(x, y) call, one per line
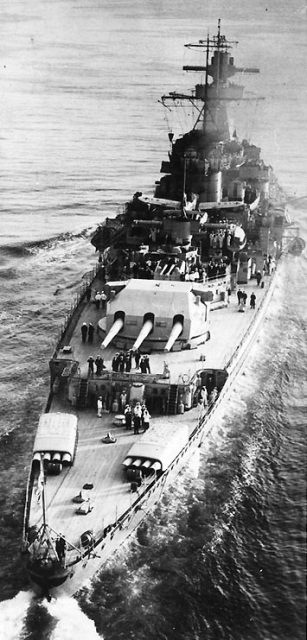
point(222, 557)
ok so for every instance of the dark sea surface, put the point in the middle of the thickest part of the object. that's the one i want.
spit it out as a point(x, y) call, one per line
point(222, 557)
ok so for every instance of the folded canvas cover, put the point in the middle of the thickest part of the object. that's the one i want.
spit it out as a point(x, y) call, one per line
point(160, 445)
point(56, 432)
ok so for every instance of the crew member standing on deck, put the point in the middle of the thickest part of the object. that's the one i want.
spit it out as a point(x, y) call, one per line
point(121, 362)
point(145, 418)
point(99, 407)
point(115, 362)
point(213, 396)
point(103, 298)
point(84, 331)
point(91, 331)
point(90, 361)
point(137, 414)
point(128, 416)
point(137, 357)
point(97, 299)
point(147, 364)
point(128, 361)
point(60, 547)
point(204, 396)
point(123, 400)
point(252, 300)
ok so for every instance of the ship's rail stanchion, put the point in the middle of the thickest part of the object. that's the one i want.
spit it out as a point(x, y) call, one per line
point(81, 292)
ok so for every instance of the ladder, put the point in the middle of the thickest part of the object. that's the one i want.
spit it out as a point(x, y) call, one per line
point(172, 399)
point(82, 397)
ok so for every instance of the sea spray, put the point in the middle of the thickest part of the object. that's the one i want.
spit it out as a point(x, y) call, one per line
point(72, 622)
point(12, 615)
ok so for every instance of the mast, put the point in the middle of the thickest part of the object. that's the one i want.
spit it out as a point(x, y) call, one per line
point(213, 95)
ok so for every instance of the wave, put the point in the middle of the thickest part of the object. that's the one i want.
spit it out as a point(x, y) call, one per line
point(9, 272)
point(30, 247)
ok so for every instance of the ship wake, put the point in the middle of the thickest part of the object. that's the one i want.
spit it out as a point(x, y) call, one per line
point(27, 618)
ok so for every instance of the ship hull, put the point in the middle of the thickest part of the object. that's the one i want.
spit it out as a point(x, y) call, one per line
point(85, 570)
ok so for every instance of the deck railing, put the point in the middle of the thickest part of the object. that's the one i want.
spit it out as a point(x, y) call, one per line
point(81, 291)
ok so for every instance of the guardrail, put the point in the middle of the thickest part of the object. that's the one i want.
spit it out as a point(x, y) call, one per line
point(73, 307)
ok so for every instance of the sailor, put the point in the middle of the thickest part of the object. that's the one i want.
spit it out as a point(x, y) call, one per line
point(147, 365)
point(137, 357)
point(123, 400)
point(204, 396)
point(143, 366)
point(244, 297)
point(99, 407)
point(137, 414)
point(60, 547)
point(90, 366)
point(97, 299)
point(252, 300)
point(128, 416)
point(99, 365)
point(145, 418)
point(121, 362)
point(213, 395)
point(91, 331)
point(239, 296)
point(128, 361)
point(258, 278)
point(103, 298)
point(115, 362)
point(84, 331)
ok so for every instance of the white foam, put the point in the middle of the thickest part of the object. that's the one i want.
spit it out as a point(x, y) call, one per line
point(72, 622)
point(12, 615)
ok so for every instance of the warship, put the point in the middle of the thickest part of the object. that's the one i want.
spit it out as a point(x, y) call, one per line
point(149, 353)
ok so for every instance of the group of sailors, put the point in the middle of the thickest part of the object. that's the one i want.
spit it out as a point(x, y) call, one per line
point(222, 238)
point(98, 362)
point(208, 398)
point(137, 417)
point(216, 268)
point(87, 332)
point(242, 299)
point(100, 299)
point(122, 361)
point(173, 267)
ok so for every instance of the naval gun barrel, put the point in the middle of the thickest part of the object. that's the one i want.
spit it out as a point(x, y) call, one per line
point(174, 334)
point(145, 331)
point(115, 329)
point(148, 223)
